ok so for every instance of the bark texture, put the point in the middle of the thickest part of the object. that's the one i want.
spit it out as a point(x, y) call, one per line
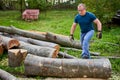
point(13, 30)
point(37, 42)
point(69, 68)
point(16, 57)
point(38, 50)
point(65, 55)
point(6, 76)
point(63, 40)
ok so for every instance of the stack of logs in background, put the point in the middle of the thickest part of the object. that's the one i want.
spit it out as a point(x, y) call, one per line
point(39, 51)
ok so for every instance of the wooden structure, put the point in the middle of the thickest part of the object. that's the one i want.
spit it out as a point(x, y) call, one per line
point(30, 14)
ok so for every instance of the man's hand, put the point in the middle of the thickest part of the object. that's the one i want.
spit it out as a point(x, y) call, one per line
point(71, 37)
point(99, 35)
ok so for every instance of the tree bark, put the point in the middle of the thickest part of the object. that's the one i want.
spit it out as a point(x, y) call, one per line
point(38, 50)
point(16, 57)
point(6, 76)
point(1, 49)
point(37, 42)
point(69, 68)
point(65, 55)
point(13, 30)
point(9, 43)
point(63, 40)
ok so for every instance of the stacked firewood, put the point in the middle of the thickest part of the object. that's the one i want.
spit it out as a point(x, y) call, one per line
point(38, 52)
point(116, 18)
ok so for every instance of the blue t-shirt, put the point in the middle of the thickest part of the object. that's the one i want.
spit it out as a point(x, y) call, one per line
point(85, 22)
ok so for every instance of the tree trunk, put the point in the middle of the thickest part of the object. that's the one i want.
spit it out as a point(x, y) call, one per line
point(37, 42)
point(65, 55)
point(13, 30)
point(6, 76)
point(9, 43)
point(20, 38)
point(16, 57)
point(1, 49)
point(62, 40)
point(69, 68)
point(38, 50)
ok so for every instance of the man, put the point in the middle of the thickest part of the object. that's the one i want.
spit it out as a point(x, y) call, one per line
point(85, 20)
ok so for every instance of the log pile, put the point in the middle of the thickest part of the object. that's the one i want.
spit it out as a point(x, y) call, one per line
point(41, 50)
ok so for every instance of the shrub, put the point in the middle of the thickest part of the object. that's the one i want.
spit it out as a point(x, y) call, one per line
point(38, 4)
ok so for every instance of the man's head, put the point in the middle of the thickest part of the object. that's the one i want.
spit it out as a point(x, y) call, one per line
point(81, 9)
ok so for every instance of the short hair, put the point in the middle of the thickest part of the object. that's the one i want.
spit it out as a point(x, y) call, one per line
point(81, 4)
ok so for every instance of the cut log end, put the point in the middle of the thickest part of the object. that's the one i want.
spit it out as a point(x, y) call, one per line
point(55, 53)
point(57, 47)
point(13, 43)
point(16, 57)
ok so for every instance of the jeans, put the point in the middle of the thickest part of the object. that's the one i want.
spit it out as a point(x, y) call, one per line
point(85, 39)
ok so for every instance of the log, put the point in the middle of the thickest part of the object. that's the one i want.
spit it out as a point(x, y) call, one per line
point(37, 42)
point(13, 30)
point(1, 49)
point(63, 40)
point(65, 55)
point(6, 76)
point(9, 43)
point(20, 38)
point(38, 50)
point(67, 68)
point(16, 57)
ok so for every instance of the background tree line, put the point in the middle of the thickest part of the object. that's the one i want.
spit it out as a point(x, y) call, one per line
point(104, 9)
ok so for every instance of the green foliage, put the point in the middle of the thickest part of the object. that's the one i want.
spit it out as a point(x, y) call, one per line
point(38, 4)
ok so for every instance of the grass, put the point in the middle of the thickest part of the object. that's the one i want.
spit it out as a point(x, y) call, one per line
point(60, 22)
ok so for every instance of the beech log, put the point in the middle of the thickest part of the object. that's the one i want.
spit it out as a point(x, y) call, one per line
point(67, 68)
point(38, 50)
point(16, 57)
point(63, 40)
point(9, 43)
point(13, 30)
point(6, 76)
point(20, 38)
point(37, 42)
point(1, 49)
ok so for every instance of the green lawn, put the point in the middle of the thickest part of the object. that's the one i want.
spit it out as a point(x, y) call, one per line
point(60, 22)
